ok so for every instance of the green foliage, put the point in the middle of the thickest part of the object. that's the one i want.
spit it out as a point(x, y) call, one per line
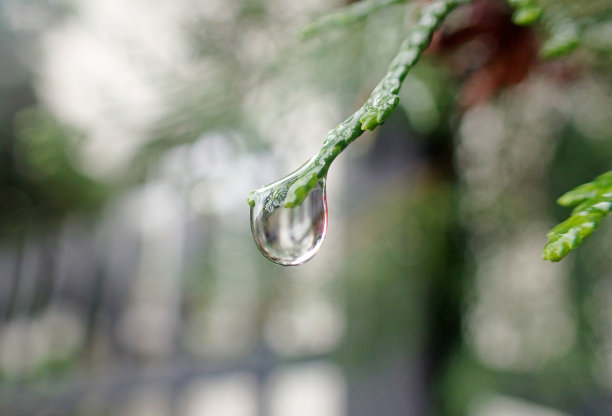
point(526, 12)
point(593, 202)
point(563, 25)
point(564, 33)
point(563, 30)
point(291, 190)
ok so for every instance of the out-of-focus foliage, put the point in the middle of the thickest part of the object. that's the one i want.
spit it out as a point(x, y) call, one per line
point(526, 12)
point(566, 23)
point(43, 155)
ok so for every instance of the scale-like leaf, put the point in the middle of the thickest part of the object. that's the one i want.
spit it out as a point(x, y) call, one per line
point(594, 202)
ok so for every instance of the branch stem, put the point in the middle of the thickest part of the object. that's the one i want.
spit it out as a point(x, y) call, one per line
point(291, 190)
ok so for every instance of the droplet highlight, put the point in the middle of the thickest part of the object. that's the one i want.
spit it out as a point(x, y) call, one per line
point(291, 236)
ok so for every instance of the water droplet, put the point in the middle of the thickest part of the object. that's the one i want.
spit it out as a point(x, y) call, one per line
point(291, 236)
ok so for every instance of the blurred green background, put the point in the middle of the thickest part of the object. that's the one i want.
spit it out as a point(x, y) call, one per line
point(131, 133)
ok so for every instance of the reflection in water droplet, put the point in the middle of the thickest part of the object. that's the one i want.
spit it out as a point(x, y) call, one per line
point(291, 236)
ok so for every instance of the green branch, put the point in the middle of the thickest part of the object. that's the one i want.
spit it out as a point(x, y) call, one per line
point(345, 16)
point(594, 202)
point(291, 190)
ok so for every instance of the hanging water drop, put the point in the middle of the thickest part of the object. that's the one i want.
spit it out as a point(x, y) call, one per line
point(290, 236)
